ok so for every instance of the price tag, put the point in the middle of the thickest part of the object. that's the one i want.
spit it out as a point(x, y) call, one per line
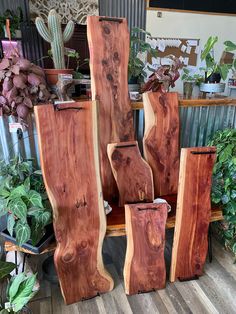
point(14, 126)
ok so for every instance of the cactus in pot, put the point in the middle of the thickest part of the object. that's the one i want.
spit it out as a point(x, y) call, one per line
point(54, 35)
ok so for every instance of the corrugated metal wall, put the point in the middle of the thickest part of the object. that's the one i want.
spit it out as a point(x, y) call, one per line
point(133, 10)
point(13, 5)
point(197, 125)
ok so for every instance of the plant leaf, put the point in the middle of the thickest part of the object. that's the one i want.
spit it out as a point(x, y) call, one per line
point(3, 206)
point(6, 268)
point(18, 208)
point(18, 191)
point(23, 232)
point(10, 224)
point(24, 293)
point(208, 46)
point(230, 46)
point(15, 285)
point(27, 184)
point(35, 199)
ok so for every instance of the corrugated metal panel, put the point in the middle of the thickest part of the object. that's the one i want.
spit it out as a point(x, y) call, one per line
point(133, 10)
point(11, 146)
point(197, 126)
point(13, 5)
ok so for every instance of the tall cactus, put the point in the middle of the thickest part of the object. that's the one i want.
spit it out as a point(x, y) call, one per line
point(53, 34)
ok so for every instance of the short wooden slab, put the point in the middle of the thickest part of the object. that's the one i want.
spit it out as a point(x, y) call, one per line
point(161, 140)
point(193, 212)
point(132, 173)
point(69, 159)
point(108, 40)
point(144, 268)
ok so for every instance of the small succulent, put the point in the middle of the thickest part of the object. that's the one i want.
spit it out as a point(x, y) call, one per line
point(22, 85)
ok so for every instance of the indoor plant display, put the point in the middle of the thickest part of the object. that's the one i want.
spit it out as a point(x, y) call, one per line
point(54, 35)
point(214, 71)
point(138, 46)
point(22, 85)
point(15, 19)
point(24, 200)
point(190, 80)
point(224, 183)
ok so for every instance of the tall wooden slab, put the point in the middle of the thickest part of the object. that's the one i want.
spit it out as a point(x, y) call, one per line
point(161, 140)
point(132, 173)
point(108, 40)
point(193, 212)
point(144, 268)
point(70, 164)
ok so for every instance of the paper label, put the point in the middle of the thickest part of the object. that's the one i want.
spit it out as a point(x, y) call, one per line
point(13, 127)
point(183, 48)
point(188, 50)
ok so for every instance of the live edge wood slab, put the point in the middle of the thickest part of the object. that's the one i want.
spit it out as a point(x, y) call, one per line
point(161, 140)
point(144, 268)
point(68, 147)
point(193, 213)
point(108, 40)
point(132, 173)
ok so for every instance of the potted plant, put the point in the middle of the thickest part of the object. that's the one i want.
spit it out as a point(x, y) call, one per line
point(54, 35)
point(24, 200)
point(20, 290)
point(15, 20)
point(214, 71)
point(224, 184)
point(190, 80)
point(22, 86)
point(136, 66)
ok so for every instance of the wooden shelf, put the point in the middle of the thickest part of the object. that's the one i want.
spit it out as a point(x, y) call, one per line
point(116, 224)
point(116, 219)
point(195, 102)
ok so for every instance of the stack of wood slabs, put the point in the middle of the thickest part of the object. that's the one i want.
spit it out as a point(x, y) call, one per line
point(145, 268)
point(161, 140)
point(193, 213)
point(70, 164)
point(132, 173)
point(108, 40)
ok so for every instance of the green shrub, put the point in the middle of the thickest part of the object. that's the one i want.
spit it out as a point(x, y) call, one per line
point(224, 183)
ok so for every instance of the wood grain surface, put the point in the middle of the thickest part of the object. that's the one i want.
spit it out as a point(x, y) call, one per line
point(144, 268)
point(69, 159)
point(161, 140)
point(193, 212)
point(109, 53)
point(132, 173)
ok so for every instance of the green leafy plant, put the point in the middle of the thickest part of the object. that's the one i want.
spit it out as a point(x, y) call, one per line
point(6, 268)
point(19, 293)
point(224, 183)
point(15, 20)
point(23, 198)
point(189, 77)
point(212, 66)
point(137, 46)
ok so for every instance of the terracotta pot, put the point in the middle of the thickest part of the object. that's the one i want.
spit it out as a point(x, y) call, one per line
point(52, 74)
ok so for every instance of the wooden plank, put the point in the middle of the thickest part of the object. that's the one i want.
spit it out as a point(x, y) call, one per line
point(161, 140)
point(144, 268)
point(193, 212)
point(195, 102)
point(132, 173)
point(68, 147)
point(108, 40)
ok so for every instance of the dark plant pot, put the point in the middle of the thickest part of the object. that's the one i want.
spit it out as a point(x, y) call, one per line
point(133, 80)
point(213, 78)
point(52, 75)
point(40, 246)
